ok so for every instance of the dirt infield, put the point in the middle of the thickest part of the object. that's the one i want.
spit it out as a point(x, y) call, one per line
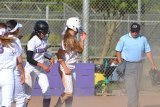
point(102, 101)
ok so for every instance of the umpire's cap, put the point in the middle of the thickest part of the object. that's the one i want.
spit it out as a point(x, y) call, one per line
point(135, 27)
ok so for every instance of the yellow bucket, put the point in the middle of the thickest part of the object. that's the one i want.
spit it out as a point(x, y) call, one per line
point(98, 77)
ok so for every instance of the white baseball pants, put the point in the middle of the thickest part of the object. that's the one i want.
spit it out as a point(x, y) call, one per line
point(31, 75)
point(19, 92)
point(7, 87)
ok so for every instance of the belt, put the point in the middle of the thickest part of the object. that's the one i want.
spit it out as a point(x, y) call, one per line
point(134, 61)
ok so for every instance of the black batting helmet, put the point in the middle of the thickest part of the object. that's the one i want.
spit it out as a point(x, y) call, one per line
point(41, 26)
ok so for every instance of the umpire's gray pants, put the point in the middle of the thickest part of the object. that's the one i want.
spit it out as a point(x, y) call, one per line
point(133, 73)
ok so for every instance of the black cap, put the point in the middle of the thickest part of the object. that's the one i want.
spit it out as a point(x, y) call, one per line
point(135, 27)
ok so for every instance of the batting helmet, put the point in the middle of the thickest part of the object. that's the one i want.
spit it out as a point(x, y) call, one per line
point(41, 26)
point(73, 23)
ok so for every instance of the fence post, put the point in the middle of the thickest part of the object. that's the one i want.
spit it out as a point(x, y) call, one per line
point(139, 11)
point(47, 13)
point(85, 28)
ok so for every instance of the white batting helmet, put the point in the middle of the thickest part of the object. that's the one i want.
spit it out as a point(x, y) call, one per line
point(73, 23)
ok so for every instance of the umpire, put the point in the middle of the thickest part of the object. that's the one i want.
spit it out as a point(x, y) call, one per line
point(132, 47)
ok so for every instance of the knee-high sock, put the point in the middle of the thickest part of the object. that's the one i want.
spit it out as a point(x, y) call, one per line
point(46, 102)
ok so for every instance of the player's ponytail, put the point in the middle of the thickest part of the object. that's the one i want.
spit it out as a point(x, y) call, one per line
point(70, 43)
point(33, 34)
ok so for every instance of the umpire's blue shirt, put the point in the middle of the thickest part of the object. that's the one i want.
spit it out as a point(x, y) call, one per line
point(133, 49)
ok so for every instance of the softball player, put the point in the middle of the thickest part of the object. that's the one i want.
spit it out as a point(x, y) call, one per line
point(35, 68)
point(67, 56)
point(19, 93)
point(8, 62)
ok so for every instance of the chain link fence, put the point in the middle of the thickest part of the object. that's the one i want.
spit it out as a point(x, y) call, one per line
point(108, 20)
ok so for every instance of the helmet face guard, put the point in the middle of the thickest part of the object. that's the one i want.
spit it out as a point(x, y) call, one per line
point(80, 30)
